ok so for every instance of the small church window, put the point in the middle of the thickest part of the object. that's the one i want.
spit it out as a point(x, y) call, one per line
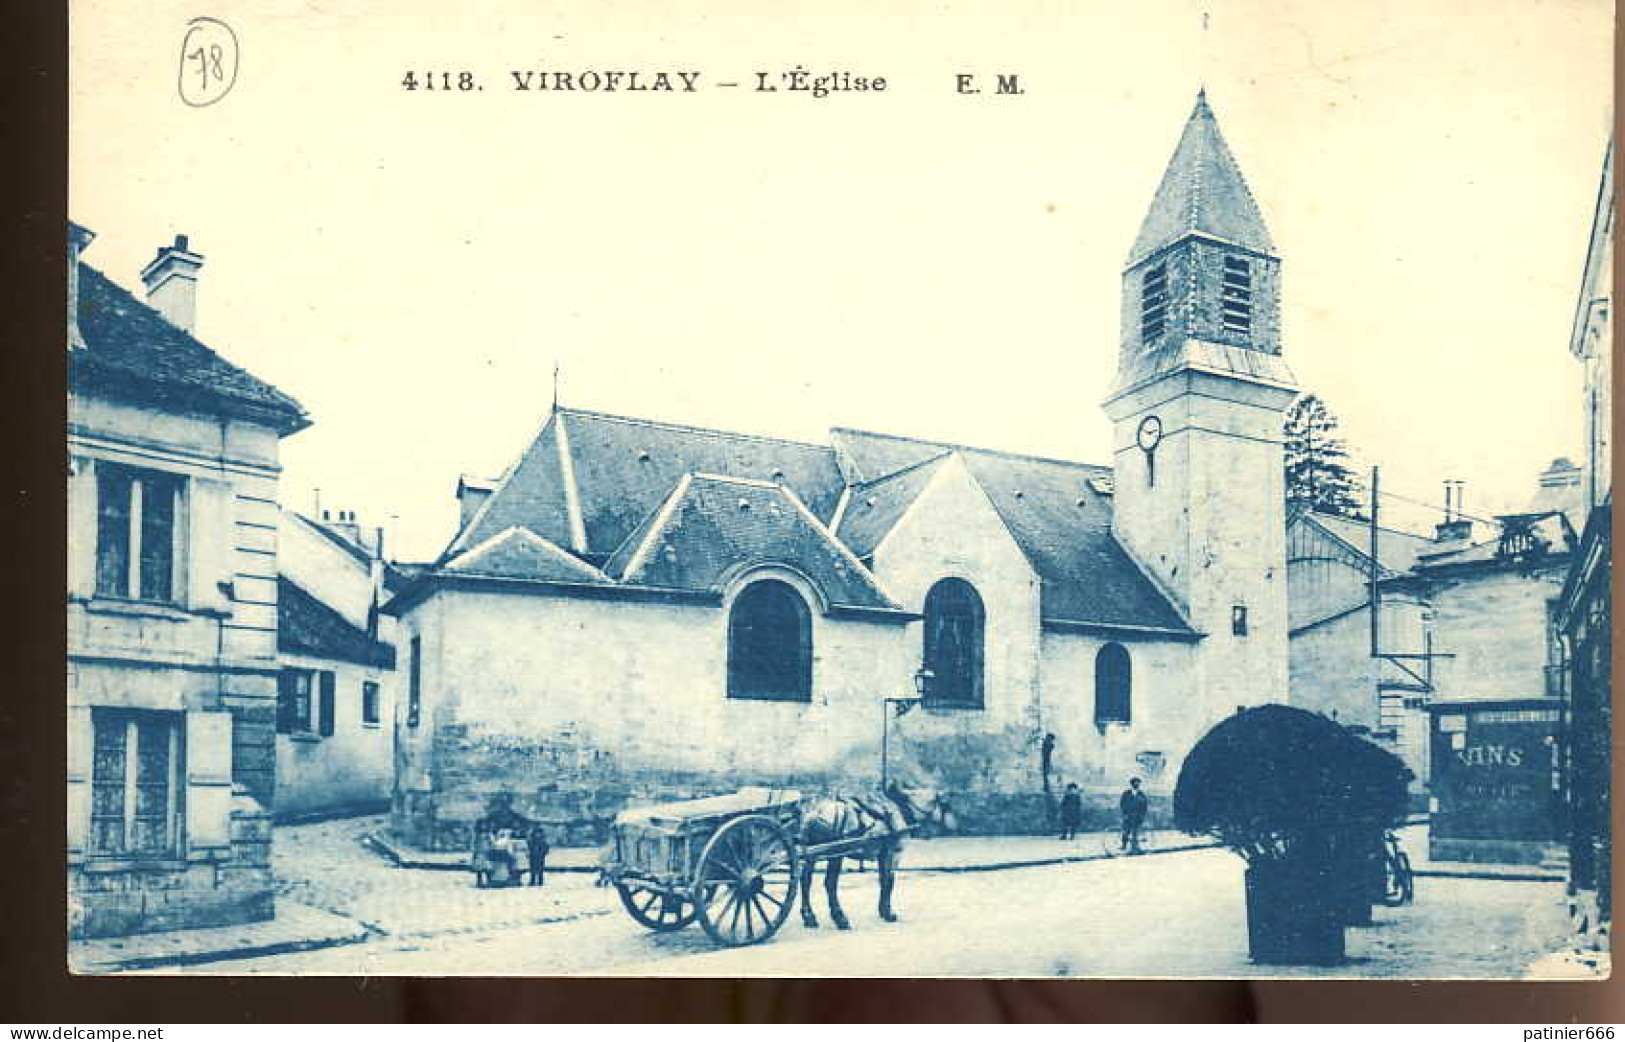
point(954, 629)
point(1236, 296)
point(1153, 304)
point(1113, 683)
point(770, 644)
point(1238, 620)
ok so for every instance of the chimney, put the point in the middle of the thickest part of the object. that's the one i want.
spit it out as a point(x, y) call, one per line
point(344, 523)
point(78, 238)
point(171, 280)
point(1454, 530)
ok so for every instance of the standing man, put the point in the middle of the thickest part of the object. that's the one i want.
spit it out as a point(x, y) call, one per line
point(1134, 806)
point(1071, 811)
point(536, 841)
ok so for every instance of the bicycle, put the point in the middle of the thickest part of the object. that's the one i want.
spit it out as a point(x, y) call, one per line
point(1399, 887)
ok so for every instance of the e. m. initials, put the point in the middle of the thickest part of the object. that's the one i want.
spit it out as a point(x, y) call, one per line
point(1003, 83)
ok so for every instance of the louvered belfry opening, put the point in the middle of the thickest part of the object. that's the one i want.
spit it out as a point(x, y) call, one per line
point(1236, 296)
point(1154, 304)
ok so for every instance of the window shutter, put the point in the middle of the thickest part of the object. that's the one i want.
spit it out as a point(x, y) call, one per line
point(208, 784)
point(82, 528)
point(328, 702)
point(211, 536)
point(81, 741)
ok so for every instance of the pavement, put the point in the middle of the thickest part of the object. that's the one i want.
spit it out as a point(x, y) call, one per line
point(1175, 916)
point(296, 928)
point(340, 883)
point(939, 854)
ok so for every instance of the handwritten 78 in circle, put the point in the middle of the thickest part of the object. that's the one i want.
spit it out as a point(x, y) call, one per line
point(209, 59)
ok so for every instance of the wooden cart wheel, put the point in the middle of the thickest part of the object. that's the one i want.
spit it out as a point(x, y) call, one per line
point(659, 910)
point(746, 881)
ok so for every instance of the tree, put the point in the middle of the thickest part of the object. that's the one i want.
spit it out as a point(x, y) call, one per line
point(1317, 471)
point(1305, 803)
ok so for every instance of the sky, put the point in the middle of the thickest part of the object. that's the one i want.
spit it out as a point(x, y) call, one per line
point(413, 266)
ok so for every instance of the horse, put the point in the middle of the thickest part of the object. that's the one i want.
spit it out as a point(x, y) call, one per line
point(883, 818)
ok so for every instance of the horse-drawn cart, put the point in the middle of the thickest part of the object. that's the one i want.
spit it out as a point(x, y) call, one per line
point(729, 861)
point(733, 862)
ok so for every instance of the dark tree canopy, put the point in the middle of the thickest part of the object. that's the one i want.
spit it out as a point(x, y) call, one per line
point(1317, 472)
point(1271, 779)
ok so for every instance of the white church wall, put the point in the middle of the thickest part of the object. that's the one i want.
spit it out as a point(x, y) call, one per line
point(1101, 758)
point(582, 706)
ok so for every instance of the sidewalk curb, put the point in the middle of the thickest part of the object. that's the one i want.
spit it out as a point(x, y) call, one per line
point(124, 964)
point(1499, 877)
point(403, 857)
point(1069, 859)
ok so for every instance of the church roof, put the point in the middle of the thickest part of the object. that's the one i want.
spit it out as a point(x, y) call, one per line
point(131, 351)
point(623, 468)
point(1202, 191)
point(714, 525)
point(675, 508)
point(519, 553)
point(876, 506)
point(1058, 519)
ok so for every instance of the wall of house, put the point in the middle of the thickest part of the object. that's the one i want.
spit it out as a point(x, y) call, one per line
point(325, 570)
point(208, 656)
point(1493, 624)
point(350, 769)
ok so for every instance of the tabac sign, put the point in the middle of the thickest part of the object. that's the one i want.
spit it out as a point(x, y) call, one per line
point(1495, 781)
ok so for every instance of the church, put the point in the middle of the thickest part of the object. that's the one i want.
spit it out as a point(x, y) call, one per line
point(640, 611)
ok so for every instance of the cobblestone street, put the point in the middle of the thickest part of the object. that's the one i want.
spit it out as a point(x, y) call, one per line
point(1166, 915)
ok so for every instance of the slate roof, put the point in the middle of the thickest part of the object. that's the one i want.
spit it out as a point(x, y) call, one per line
point(875, 507)
point(712, 526)
point(1397, 551)
point(519, 553)
point(306, 626)
point(669, 507)
point(1202, 191)
point(133, 352)
point(625, 467)
point(1059, 520)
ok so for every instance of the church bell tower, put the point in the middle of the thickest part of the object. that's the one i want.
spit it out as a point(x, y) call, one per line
point(1196, 411)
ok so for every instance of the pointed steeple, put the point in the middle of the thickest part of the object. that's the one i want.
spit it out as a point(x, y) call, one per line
point(1202, 191)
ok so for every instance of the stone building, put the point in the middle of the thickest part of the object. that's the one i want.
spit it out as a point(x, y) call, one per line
point(1329, 572)
point(639, 610)
point(1584, 611)
point(171, 609)
point(337, 689)
point(1467, 649)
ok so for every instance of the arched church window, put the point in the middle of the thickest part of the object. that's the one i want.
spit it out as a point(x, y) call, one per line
point(954, 625)
point(1113, 685)
point(770, 644)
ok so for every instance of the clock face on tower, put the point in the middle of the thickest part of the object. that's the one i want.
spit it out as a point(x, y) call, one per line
point(1150, 433)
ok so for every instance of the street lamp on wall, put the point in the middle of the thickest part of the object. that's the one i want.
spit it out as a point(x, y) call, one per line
point(899, 705)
